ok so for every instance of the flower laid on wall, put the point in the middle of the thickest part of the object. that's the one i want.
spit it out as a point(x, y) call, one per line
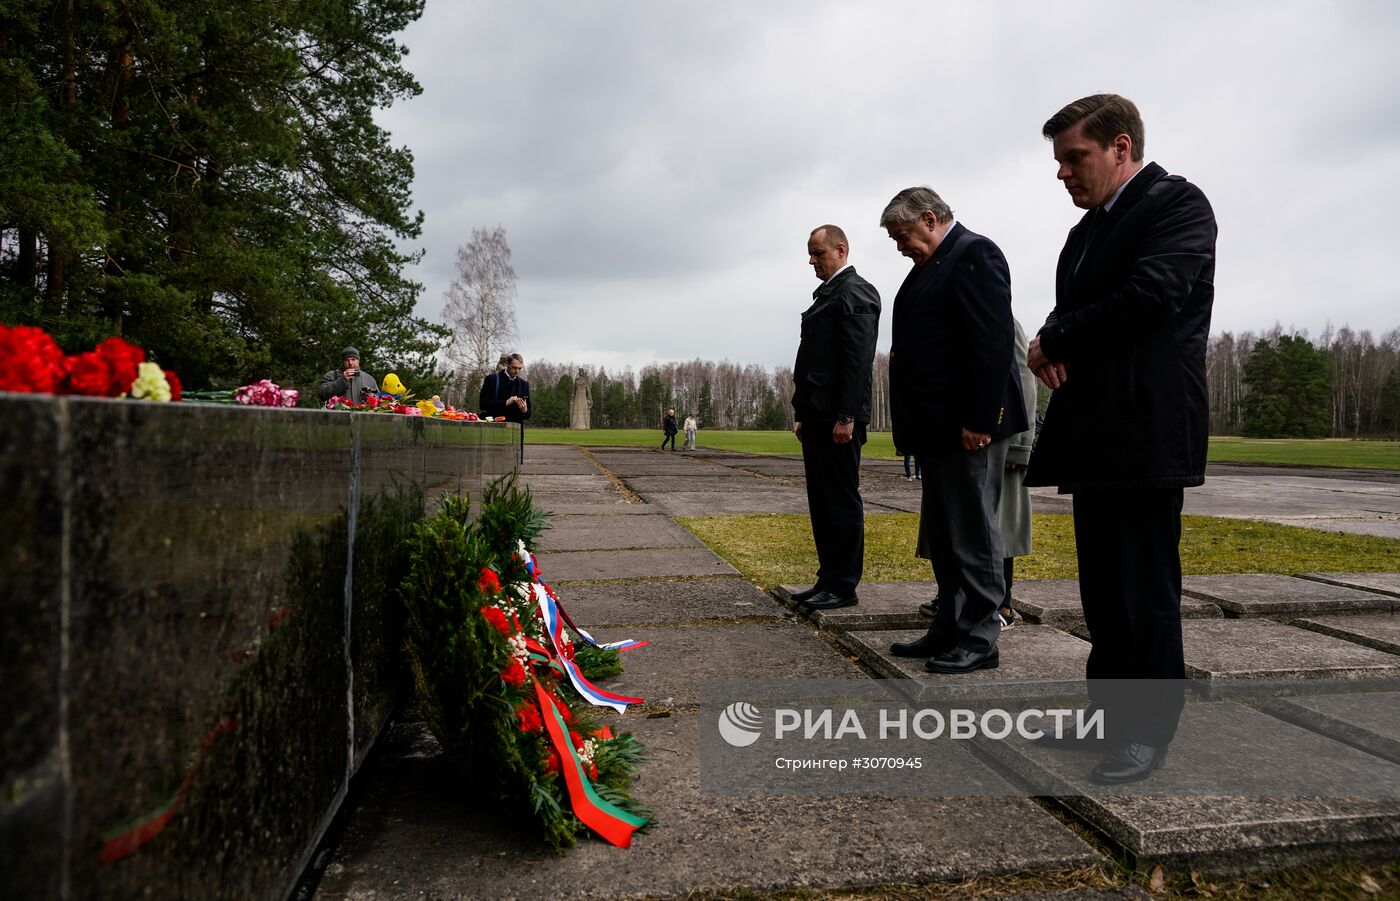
point(266, 394)
point(31, 362)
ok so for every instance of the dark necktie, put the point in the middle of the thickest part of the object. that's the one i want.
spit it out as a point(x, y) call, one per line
point(1094, 217)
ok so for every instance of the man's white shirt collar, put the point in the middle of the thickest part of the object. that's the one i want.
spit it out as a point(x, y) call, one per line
point(1114, 199)
point(836, 273)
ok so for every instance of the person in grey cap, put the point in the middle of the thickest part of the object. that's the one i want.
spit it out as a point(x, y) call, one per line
point(349, 381)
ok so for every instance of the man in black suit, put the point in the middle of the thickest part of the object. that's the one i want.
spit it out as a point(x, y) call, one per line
point(505, 393)
point(831, 409)
point(955, 399)
point(1126, 430)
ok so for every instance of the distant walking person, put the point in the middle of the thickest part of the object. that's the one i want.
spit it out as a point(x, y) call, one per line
point(831, 408)
point(668, 429)
point(1125, 433)
point(505, 393)
point(690, 432)
point(918, 471)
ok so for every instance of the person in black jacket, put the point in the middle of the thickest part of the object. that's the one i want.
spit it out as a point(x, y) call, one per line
point(1126, 430)
point(955, 400)
point(668, 429)
point(505, 393)
point(831, 409)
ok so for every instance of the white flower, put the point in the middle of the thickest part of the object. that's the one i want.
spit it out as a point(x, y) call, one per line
point(150, 384)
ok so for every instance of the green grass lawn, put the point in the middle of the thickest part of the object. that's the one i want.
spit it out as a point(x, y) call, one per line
point(777, 549)
point(1342, 452)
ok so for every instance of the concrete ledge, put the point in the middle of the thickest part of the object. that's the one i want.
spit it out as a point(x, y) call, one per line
point(1380, 583)
point(883, 605)
point(1036, 661)
point(1366, 720)
point(1273, 595)
point(1055, 602)
point(1257, 649)
point(1179, 825)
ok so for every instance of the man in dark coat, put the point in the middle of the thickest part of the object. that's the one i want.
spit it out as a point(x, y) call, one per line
point(831, 409)
point(505, 393)
point(955, 400)
point(1126, 430)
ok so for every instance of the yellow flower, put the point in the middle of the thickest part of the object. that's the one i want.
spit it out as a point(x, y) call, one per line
point(428, 407)
point(392, 384)
point(150, 383)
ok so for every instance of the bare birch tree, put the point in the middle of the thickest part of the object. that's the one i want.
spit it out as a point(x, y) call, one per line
point(480, 307)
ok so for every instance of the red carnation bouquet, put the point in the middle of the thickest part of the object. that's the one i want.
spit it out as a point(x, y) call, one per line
point(31, 362)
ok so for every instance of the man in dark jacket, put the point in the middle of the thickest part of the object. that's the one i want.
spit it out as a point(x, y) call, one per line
point(505, 393)
point(1126, 430)
point(955, 399)
point(349, 381)
point(831, 409)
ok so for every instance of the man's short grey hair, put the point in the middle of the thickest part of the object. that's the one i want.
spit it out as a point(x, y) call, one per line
point(516, 358)
point(910, 205)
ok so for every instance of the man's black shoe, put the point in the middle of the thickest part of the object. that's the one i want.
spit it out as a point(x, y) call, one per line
point(930, 608)
point(826, 600)
point(961, 660)
point(802, 597)
point(1132, 762)
point(925, 645)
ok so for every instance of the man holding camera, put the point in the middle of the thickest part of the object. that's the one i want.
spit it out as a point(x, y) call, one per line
point(349, 381)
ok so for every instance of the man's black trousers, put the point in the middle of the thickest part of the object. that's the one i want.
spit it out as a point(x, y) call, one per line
point(1130, 586)
point(833, 499)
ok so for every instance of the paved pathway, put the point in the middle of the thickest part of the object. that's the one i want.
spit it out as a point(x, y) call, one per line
point(622, 565)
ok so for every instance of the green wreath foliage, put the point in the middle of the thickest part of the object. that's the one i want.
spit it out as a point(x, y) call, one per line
point(467, 602)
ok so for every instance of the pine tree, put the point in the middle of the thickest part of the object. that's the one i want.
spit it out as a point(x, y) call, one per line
point(208, 181)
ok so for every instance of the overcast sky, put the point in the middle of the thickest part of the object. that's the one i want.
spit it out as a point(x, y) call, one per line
point(658, 165)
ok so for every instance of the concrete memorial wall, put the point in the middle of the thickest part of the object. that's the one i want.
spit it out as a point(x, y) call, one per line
point(198, 632)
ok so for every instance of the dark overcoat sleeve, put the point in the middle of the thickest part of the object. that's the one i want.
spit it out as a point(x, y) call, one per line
point(981, 298)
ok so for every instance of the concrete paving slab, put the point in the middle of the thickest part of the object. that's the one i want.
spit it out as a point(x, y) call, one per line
point(1036, 661)
point(1055, 602)
point(555, 500)
point(648, 486)
point(587, 533)
point(414, 836)
point(1375, 630)
point(594, 481)
point(1366, 720)
point(1356, 505)
point(1179, 824)
point(785, 467)
point(1380, 583)
point(883, 605)
point(618, 507)
point(631, 470)
point(878, 500)
point(1274, 595)
point(685, 601)
point(1254, 649)
point(668, 672)
point(720, 503)
point(577, 566)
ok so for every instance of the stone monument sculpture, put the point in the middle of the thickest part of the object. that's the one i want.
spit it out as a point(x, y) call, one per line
point(581, 407)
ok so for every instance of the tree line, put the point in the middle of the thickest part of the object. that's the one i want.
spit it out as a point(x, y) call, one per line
point(1280, 385)
point(1267, 385)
